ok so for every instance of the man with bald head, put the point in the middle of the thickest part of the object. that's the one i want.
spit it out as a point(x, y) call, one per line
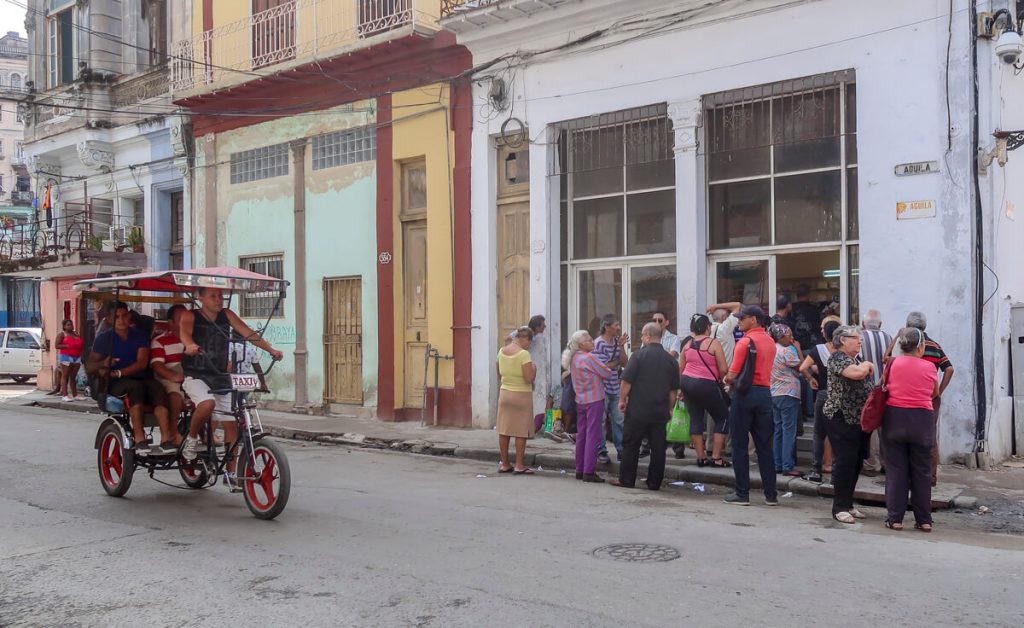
point(650, 382)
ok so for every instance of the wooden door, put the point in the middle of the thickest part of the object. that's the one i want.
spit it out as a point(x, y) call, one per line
point(343, 340)
point(414, 289)
point(513, 296)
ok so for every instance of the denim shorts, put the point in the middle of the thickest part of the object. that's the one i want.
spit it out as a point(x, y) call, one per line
point(68, 359)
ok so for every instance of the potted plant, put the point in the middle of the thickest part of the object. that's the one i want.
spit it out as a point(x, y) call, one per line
point(94, 243)
point(136, 241)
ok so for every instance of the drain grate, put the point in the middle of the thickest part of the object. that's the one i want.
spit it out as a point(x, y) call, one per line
point(637, 552)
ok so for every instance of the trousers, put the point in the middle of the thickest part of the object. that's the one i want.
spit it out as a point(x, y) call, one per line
point(849, 449)
point(909, 437)
point(751, 414)
point(589, 417)
point(635, 430)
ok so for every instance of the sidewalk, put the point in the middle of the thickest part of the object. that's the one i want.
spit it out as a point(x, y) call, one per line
point(958, 486)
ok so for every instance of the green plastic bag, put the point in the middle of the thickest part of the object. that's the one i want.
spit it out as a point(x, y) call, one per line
point(678, 430)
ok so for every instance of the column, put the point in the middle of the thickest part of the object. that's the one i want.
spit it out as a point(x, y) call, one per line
point(691, 217)
point(299, 194)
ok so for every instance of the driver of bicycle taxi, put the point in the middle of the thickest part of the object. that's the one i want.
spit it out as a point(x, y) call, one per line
point(206, 333)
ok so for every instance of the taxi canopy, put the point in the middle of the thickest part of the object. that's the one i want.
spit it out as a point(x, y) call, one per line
point(223, 277)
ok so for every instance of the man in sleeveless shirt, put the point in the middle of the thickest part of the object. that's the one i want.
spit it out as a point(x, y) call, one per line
point(206, 334)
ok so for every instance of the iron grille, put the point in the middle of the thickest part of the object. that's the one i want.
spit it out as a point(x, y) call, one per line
point(263, 304)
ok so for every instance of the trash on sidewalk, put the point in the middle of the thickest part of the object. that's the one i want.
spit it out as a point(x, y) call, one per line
point(678, 483)
point(481, 475)
point(983, 510)
point(788, 494)
point(699, 488)
point(540, 468)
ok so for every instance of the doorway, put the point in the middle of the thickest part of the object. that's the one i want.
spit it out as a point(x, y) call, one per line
point(414, 276)
point(513, 240)
point(632, 291)
point(343, 340)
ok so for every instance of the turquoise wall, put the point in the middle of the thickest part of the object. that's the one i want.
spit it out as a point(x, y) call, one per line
point(257, 218)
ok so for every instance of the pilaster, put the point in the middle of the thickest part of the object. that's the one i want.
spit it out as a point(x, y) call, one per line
point(691, 227)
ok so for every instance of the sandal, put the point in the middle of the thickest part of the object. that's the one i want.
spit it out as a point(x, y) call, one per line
point(526, 471)
point(857, 514)
point(923, 527)
point(508, 470)
point(703, 462)
point(844, 517)
point(894, 525)
point(719, 462)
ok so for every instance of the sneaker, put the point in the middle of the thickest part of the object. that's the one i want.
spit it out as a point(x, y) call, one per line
point(142, 448)
point(552, 436)
point(593, 478)
point(67, 398)
point(603, 458)
point(188, 450)
point(80, 398)
point(771, 502)
point(644, 452)
point(813, 477)
point(736, 500)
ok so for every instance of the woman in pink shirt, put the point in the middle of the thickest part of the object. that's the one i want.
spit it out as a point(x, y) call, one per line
point(702, 363)
point(908, 432)
point(588, 378)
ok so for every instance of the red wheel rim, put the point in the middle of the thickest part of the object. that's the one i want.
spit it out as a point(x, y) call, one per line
point(188, 469)
point(262, 488)
point(111, 461)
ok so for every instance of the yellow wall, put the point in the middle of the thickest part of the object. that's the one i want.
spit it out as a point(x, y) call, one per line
point(421, 130)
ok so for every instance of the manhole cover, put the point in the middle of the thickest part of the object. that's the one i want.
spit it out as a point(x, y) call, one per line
point(637, 552)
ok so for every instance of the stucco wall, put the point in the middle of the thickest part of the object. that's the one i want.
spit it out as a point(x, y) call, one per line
point(897, 51)
point(257, 218)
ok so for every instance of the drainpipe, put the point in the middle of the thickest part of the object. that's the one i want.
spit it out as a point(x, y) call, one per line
point(301, 354)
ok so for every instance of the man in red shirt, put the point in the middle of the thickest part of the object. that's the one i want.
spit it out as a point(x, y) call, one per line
point(751, 409)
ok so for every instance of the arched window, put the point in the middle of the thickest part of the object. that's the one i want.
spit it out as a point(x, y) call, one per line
point(15, 81)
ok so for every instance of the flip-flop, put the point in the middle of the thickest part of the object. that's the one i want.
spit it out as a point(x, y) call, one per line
point(922, 528)
point(508, 470)
point(894, 525)
point(526, 471)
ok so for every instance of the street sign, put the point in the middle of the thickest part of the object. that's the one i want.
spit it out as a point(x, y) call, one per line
point(912, 210)
point(917, 167)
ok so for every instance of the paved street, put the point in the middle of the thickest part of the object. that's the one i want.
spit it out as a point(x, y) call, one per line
point(383, 539)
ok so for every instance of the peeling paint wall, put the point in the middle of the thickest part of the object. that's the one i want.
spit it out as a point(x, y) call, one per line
point(257, 218)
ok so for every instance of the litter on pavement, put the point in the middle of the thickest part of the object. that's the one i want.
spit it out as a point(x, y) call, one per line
point(699, 488)
point(481, 475)
point(787, 494)
point(679, 484)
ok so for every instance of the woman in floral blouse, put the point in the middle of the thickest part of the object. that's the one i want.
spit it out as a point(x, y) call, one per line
point(849, 383)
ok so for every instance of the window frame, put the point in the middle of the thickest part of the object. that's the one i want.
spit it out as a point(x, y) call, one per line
point(54, 49)
point(246, 303)
point(257, 164)
point(344, 147)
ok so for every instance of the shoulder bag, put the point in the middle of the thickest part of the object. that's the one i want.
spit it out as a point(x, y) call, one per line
point(746, 376)
point(726, 399)
point(874, 408)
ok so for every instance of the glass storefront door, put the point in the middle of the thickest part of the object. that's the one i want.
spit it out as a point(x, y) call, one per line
point(646, 288)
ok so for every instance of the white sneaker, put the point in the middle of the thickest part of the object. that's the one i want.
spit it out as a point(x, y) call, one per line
point(67, 398)
point(188, 450)
point(80, 397)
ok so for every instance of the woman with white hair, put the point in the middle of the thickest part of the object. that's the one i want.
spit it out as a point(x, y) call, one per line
point(849, 383)
point(588, 375)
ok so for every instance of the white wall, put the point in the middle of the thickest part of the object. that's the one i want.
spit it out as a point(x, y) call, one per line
point(898, 52)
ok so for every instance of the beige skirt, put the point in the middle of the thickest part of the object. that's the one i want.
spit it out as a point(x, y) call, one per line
point(515, 414)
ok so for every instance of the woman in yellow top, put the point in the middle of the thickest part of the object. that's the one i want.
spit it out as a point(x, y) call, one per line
point(515, 399)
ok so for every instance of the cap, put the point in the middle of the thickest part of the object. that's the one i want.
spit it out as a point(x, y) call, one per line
point(750, 310)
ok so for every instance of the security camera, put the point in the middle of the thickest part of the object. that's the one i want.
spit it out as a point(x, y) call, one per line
point(1009, 47)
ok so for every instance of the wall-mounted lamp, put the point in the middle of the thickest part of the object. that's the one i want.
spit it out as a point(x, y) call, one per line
point(1005, 142)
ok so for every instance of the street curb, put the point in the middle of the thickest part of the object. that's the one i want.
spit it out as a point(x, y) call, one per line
point(673, 472)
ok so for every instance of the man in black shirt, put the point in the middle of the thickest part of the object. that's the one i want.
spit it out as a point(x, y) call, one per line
point(650, 382)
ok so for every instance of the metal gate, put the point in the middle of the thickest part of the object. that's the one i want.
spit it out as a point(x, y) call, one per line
point(343, 340)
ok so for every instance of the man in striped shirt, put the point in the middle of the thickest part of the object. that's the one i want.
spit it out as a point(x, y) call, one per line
point(874, 344)
point(609, 347)
point(165, 353)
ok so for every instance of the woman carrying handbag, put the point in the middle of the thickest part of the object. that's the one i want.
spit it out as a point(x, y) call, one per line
point(908, 432)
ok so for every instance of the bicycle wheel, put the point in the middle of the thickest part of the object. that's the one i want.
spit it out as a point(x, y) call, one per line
point(267, 480)
point(193, 474)
point(116, 464)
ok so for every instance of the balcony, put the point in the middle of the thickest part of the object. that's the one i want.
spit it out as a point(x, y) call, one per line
point(63, 246)
point(21, 199)
point(290, 35)
point(140, 88)
point(464, 15)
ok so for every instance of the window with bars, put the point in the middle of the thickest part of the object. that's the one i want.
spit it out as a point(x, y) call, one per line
point(263, 304)
point(342, 148)
point(618, 179)
point(782, 163)
point(259, 163)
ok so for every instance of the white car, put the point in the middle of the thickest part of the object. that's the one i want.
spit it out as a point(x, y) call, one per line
point(21, 355)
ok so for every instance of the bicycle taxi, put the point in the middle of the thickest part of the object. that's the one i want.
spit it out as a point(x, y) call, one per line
point(263, 474)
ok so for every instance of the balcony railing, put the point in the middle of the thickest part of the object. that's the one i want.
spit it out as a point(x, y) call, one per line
point(451, 6)
point(140, 88)
point(64, 234)
point(294, 30)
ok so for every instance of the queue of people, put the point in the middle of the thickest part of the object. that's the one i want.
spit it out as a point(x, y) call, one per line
point(752, 388)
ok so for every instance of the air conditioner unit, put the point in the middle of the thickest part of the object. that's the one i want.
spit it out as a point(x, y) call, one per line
point(119, 235)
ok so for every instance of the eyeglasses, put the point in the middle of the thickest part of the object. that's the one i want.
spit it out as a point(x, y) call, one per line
point(659, 320)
